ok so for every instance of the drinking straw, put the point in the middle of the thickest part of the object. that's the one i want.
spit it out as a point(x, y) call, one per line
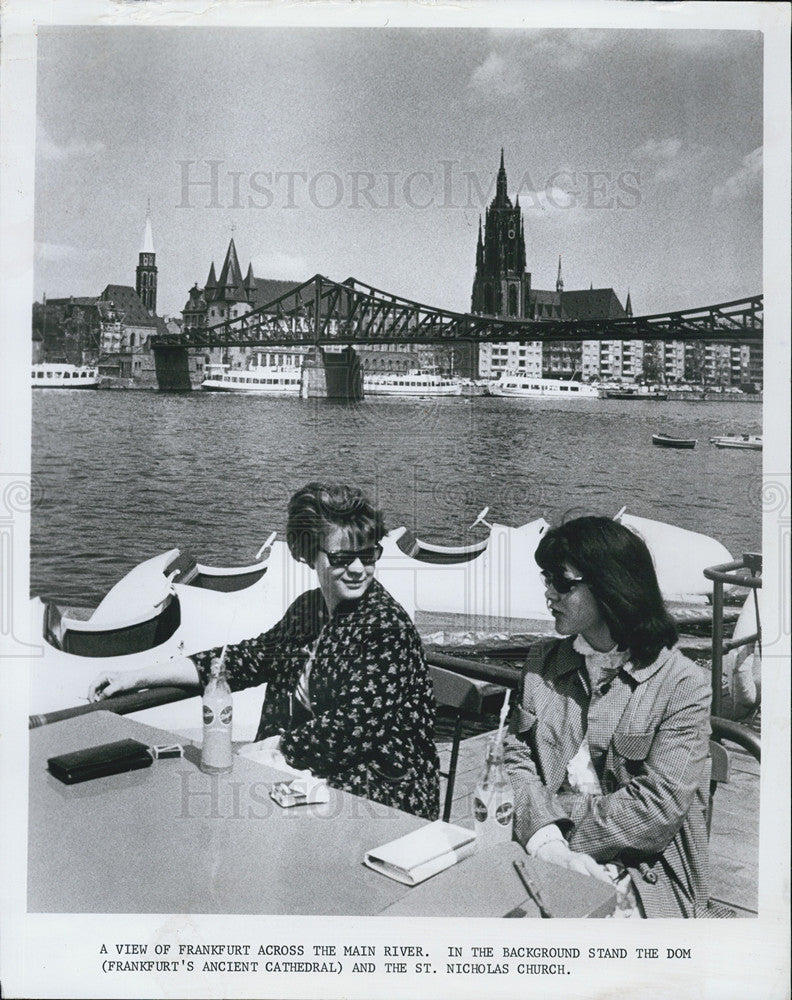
point(503, 712)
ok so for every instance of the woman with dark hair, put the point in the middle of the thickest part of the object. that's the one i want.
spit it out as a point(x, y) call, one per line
point(348, 691)
point(610, 736)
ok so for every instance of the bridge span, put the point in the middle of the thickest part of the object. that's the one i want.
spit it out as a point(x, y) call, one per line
point(323, 313)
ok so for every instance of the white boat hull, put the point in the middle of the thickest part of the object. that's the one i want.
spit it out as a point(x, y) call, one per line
point(541, 389)
point(501, 582)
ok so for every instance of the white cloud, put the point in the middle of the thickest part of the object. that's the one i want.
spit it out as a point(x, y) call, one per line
point(496, 77)
point(672, 160)
point(746, 180)
point(48, 149)
point(276, 264)
point(54, 251)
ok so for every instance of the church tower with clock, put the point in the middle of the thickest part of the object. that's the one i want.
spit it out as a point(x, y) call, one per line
point(502, 286)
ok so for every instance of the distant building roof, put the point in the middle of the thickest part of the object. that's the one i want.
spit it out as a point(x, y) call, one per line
point(128, 304)
point(267, 289)
point(591, 303)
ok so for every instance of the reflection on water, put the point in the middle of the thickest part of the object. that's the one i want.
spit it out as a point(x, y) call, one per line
point(124, 475)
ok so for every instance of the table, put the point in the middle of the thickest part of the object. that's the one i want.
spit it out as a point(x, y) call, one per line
point(170, 839)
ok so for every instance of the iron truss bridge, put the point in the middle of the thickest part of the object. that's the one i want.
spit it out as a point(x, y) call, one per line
point(325, 313)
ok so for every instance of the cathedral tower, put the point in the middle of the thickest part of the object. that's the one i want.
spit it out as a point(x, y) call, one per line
point(146, 271)
point(501, 286)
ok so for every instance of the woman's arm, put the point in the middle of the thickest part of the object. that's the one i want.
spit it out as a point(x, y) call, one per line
point(178, 673)
point(643, 817)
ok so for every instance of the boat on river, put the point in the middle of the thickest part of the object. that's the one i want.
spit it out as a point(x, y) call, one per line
point(410, 384)
point(170, 606)
point(667, 441)
point(746, 442)
point(259, 380)
point(62, 376)
point(528, 387)
point(646, 392)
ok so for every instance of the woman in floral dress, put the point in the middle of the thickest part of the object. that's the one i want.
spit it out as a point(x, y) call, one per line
point(348, 692)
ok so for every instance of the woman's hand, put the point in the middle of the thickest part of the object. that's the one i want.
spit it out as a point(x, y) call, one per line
point(108, 683)
point(178, 673)
point(558, 852)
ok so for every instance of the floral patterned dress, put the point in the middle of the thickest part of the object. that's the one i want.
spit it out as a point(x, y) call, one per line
point(371, 725)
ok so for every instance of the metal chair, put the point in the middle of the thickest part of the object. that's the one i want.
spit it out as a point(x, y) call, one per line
point(464, 696)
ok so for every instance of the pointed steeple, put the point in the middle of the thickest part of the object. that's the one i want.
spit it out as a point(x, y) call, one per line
point(501, 196)
point(628, 306)
point(230, 286)
point(210, 289)
point(148, 237)
point(479, 248)
point(250, 282)
point(559, 279)
point(146, 271)
point(591, 287)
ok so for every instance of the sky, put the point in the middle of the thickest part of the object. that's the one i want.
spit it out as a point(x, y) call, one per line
point(372, 153)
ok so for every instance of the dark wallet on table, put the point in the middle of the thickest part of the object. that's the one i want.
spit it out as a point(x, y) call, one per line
point(96, 762)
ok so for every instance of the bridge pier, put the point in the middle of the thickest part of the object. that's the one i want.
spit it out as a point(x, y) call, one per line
point(332, 375)
point(172, 367)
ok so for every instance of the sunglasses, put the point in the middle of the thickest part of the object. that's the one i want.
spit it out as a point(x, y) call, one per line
point(561, 584)
point(344, 558)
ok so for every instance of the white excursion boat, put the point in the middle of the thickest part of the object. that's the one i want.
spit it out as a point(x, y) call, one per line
point(262, 380)
point(63, 376)
point(527, 386)
point(411, 384)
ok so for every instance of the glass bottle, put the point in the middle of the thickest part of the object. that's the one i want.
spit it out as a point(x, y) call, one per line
point(493, 799)
point(216, 754)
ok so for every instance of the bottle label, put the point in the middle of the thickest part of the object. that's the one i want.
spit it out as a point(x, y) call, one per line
point(208, 715)
point(504, 813)
point(225, 715)
point(479, 810)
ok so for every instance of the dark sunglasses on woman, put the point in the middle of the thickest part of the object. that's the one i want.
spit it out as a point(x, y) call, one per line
point(344, 557)
point(561, 584)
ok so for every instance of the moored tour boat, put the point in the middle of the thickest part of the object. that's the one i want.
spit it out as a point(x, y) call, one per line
point(528, 387)
point(261, 380)
point(746, 442)
point(63, 376)
point(666, 441)
point(410, 384)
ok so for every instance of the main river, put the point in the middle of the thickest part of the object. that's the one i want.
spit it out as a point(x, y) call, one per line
point(120, 476)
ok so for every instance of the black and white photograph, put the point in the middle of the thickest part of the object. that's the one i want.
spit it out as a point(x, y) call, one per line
point(394, 488)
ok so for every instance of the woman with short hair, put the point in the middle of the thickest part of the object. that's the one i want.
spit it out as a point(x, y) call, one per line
point(348, 692)
point(610, 736)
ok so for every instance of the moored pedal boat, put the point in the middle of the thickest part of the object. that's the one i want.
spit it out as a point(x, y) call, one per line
point(169, 606)
point(745, 442)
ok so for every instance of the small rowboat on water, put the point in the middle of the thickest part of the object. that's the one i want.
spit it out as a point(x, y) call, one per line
point(746, 442)
point(666, 441)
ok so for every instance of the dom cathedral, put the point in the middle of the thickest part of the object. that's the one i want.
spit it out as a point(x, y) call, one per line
point(502, 287)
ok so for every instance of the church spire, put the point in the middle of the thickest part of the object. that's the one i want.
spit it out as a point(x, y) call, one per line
point(146, 271)
point(628, 307)
point(148, 238)
point(231, 287)
point(559, 279)
point(501, 196)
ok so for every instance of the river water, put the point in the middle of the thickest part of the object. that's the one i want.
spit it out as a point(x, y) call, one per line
point(120, 476)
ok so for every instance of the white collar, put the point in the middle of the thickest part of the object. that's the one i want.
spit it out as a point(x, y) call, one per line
point(611, 659)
